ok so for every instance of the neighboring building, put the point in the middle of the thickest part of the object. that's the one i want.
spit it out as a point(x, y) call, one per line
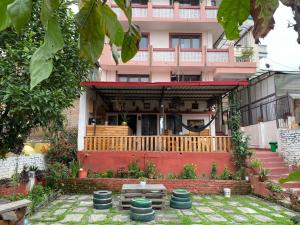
point(178, 69)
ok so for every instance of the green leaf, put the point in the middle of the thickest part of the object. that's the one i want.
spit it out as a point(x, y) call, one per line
point(47, 10)
point(262, 12)
point(125, 6)
point(92, 30)
point(4, 17)
point(41, 66)
point(231, 15)
point(20, 12)
point(294, 176)
point(54, 38)
point(130, 43)
point(115, 53)
point(113, 27)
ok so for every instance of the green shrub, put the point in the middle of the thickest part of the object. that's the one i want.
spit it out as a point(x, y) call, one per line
point(226, 175)
point(122, 172)
point(64, 148)
point(74, 168)
point(213, 172)
point(240, 174)
point(171, 176)
point(150, 170)
point(189, 172)
point(37, 195)
point(108, 174)
point(135, 170)
point(56, 172)
point(255, 164)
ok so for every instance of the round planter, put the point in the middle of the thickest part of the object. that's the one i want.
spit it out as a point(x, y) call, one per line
point(181, 193)
point(178, 199)
point(124, 123)
point(141, 210)
point(180, 205)
point(103, 206)
point(142, 217)
point(102, 194)
point(262, 178)
point(102, 201)
point(82, 174)
point(141, 202)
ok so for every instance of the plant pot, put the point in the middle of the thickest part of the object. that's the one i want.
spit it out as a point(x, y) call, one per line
point(143, 183)
point(124, 123)
point(255, 171)
point(82, 174)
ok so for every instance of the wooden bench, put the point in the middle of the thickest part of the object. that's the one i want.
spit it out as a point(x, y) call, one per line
point(13, 213)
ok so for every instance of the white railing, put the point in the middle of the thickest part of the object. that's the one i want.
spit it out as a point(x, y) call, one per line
point(139, 12)
point(164, 56)
point(217, 56)
point(211, 13)
point(163, 12)
point(189, 13)
point(190, 56)
point(141, 56)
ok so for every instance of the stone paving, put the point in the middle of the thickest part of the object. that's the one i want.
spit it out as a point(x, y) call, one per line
point(206, 210)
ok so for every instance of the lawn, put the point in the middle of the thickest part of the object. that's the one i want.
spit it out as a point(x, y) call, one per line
point(207, 210)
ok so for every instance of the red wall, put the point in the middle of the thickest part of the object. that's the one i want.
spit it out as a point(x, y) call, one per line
point(88, 185)
point(169, 162)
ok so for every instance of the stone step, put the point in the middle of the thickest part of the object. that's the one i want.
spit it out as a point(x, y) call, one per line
point(291, 184)
point(277, 176)
point(273, 164)
point(279, 170)
point(265, 153)
point(277, 159)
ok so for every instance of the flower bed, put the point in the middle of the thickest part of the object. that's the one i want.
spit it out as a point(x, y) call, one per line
point(88, 185)
point(6, 190)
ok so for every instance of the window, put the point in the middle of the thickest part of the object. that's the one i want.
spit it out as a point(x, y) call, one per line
point(176, 77)
point(186, 2)
point(133, 78)
point(144, 43)
point(140, 2)
point(185, 41)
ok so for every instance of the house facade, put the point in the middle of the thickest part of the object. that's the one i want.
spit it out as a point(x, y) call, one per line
point(175, 82)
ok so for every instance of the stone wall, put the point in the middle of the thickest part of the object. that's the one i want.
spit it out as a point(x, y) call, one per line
point(88, 185)
point(8, 165)
point(290, 146)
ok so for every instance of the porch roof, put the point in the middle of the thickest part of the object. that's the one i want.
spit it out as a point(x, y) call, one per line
point(157, 90)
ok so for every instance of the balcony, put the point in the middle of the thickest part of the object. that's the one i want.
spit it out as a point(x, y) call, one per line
point(170, 13)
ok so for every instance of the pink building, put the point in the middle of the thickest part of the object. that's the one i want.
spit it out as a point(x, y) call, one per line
point(177, 78)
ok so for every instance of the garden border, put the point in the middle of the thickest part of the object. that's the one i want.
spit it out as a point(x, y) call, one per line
point(88, 185)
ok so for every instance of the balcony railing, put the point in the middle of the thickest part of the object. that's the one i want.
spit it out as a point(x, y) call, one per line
point(175, 11)
point(158, 143)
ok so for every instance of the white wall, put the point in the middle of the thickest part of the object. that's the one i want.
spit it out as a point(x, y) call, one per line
point(160, 77)
point(261, 134)
point(8, 165)
point(186, 117)
point(160, 2)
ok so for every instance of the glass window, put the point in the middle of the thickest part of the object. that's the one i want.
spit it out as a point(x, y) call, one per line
point(140, 2)
point(133, 78)
point(189, 2)
point(175, 77)
point(186, 41)
point(144, 42)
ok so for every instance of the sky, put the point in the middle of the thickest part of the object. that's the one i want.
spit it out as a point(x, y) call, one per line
point(283, 48)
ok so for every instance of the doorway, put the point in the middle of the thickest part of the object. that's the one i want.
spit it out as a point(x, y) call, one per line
point(149, 124)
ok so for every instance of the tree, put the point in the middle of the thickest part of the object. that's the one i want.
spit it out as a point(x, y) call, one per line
point(22, 109)
point(95, 21)
point(233, 13)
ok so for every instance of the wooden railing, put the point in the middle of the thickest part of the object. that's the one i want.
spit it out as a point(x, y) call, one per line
point(158, 143)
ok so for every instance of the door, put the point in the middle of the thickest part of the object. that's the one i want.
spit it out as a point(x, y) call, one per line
point(149, 125)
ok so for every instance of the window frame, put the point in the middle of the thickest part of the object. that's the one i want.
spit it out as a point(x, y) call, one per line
point(139, 76)
point(185, 34)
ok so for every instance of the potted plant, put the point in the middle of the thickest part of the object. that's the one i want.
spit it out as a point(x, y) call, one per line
point(275, 190)
point(82, 173)
point(255, 165)
point(124, 118)
point(263, 175)
point(143, 181)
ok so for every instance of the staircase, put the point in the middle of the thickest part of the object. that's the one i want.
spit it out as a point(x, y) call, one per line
point(277, 168)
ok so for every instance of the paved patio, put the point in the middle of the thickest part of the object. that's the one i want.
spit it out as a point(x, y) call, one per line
point(208, 210)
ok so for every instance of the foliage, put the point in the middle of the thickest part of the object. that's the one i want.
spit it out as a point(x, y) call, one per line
point(274, 187)
point(150, 170)
point(213, 172)
point(92, 14)
point(226, 175)
point(247, 53)
point(232, 14)
point(56, 172)
point(143, 179)
point(64, 148)
point(109, 174)
point(264, 172)
point(39, 174)
point(37, 195)
point(122, 172)
point(255, 164)
point(293, 176)
point(189, 171)
point(240, 174)
point(22, 109)
point(171, 176)
point(74, 168)
point(240, 141)
point(105, 174)
point(134, 169)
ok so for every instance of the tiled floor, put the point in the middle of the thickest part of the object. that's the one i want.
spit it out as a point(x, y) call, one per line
point(208, 210)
